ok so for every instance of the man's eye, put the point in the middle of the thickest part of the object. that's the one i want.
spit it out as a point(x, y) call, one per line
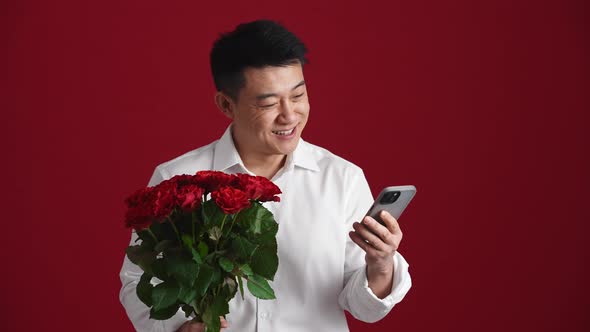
point(268, 106)
point(299, 95)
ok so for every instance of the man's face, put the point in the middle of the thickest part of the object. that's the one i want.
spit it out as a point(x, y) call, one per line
point(271, 111)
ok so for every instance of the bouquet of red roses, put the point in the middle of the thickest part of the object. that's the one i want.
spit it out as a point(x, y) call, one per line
point(200, 236)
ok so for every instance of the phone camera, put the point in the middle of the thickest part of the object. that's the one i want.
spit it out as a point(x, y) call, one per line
point(390, 197)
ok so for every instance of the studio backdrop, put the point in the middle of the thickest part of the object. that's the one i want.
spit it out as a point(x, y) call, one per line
point(483, 106)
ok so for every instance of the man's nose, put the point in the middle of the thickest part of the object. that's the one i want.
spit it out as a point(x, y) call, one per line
point(288, 111)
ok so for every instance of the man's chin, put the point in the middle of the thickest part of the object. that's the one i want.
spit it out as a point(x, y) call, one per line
point(290, 147)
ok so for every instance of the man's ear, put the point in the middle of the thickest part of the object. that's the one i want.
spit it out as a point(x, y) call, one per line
point(225, 104)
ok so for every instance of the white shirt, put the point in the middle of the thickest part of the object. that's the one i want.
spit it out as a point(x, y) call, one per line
point(321, 271)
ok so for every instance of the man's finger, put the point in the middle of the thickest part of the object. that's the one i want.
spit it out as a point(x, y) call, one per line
point(191, 326)
point(223, 322)
point(377, 228)
point(367, 235)
point(361, 243)
point(390, 222)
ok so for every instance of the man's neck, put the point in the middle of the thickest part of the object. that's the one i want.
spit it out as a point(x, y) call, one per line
point(258, 162)
point(266, 166)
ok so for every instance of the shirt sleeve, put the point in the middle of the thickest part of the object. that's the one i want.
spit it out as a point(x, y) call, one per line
point(137, 311)
point(356, 296)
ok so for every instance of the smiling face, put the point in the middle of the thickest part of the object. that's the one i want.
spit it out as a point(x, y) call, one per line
point(270, 113)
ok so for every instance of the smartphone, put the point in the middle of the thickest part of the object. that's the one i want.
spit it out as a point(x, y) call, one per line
point(393, 200)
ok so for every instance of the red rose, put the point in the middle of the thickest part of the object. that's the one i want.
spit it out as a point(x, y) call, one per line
point(213, 180)
point(230, 200)
point(139, 197)
point(189, 197)
point(138, 219)
point(158, 202)
point(183, 180)
point(164, 199)
point(140, 212)
point(258, 188)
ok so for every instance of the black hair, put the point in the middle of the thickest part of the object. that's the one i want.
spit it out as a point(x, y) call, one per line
point(255, 44)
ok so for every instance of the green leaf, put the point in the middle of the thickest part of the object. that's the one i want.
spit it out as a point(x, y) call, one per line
point(182, 268)
point(216, 279)
point(196, 257)
point(241, 286)
point(162, 230)
point(203, 249)
point(134, 253)
point(187, 240)
point(203, 279)
point(260, 288)
point(164, 313)
point(211, 213)
point(265, 262)
point(242, 248)
point(141, 256)
point(163, 245)
point(188, 310)
point(211, 320)
point(144, 289)
point(219, 307)
point(230, 285)
point(268, 236)
point(165, 295)
point(146, 239)
point(183, 222)
point(246, 270)
point(198, 311)
point(226, 264)
point(158, 269)
point(259, 223)
point(187, 294)
point(215, 233)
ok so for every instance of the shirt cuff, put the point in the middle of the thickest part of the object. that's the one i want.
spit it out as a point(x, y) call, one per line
point(400, 286)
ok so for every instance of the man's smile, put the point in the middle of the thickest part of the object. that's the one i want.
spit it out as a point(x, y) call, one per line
point(287, 132)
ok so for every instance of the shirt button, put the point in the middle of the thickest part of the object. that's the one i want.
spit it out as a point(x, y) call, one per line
point(264, 315)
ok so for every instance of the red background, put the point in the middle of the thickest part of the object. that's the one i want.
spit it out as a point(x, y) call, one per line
point(482, 106)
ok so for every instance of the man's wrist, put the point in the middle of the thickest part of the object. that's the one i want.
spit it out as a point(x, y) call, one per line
point(380, 279)
point(381, 270)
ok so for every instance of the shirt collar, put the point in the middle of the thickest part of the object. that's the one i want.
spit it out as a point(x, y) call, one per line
point(226, 155)
point(303, 156)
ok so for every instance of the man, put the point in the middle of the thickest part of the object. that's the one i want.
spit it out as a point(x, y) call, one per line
point(328, 261)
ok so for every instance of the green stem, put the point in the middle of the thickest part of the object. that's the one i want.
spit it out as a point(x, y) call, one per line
point(175, 229)
point(221, 231)
point(194, 221)
point(223, 222)
point(198, 312)
point(219, 288)
point(232, 225)
point(202, 299)
point(152, 234)
point(233, 222)
point(201, 309)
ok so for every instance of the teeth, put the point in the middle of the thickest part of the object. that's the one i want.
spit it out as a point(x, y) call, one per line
point(284, 132)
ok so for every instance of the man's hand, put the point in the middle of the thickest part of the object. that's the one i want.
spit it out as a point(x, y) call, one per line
point(191, 326)
point(380, 244)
